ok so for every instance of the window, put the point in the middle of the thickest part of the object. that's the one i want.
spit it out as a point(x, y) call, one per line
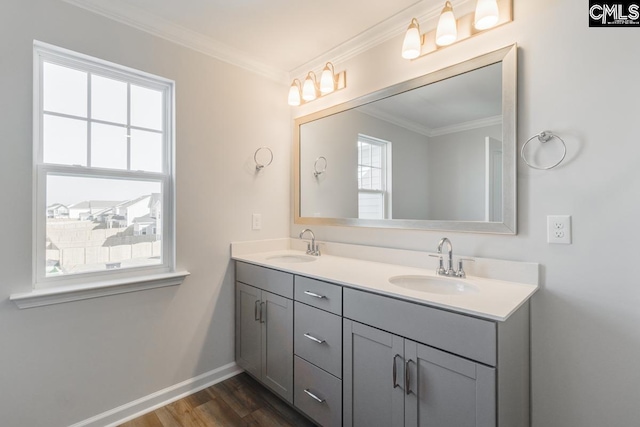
point(103, 160)
point(374, 178)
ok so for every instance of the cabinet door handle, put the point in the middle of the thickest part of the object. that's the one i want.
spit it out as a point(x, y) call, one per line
point(311, 294)
point(407, 377)
point(395, 371)
point(256, 316)
point(263, 317)
point(313, 396)
point(312, 338)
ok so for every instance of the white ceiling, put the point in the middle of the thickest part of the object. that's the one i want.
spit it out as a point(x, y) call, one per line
point(274, 37)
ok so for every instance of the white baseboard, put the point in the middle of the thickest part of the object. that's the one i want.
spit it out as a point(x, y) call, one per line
point(153, 401)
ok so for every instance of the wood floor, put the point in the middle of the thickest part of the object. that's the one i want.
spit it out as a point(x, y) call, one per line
point(238, 401)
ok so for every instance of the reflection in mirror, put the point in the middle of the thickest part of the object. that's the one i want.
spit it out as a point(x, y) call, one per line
point(437, 153)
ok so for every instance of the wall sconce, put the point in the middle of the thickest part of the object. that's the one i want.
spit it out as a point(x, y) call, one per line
point(447, 30)
point(488, 14)
point(311, 89)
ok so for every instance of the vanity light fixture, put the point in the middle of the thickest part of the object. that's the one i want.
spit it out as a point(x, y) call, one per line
point(328, 79)
point(294, 92)
point(413, 41)
point(447, 30)
point(488, 14)
point(311, 89)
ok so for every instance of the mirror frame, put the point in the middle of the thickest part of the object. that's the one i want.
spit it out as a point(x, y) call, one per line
point(508, 57)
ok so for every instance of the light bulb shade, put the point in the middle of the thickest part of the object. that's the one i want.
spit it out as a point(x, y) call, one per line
point(328, 79)
point(309, 87)
point(447, 31)
point(487, 14)
point(412, 44)
point(294, 93)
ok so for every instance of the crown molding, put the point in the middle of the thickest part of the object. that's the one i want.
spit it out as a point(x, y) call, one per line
point(427, 131)
point(142, 20)
point(424, 11)
point(390, 28)
point(472, 124)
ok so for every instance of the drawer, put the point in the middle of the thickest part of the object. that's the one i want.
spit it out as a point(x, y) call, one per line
point(323, 295)
point(466, 336)
point(270, 280)
point(322, 326)
point(325, 406)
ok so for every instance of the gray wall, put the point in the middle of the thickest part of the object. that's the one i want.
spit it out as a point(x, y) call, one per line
point(457, 174)
point(64, 363)
point(580, 82)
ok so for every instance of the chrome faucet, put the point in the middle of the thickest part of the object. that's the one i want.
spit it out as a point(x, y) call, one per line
point(312, 248)
point(449, 271)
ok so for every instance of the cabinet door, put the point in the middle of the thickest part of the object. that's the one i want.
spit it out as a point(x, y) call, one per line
point(277, 339)
point(371, 396)
point(447, 390)
point(248, 328)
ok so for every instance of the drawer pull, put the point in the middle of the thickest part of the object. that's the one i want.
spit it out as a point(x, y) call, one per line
point(395, 372)
point(312, 338)
point(313, 396)
point(311, 294)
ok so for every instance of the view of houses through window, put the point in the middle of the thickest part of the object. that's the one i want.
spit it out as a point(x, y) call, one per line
point(86, 232)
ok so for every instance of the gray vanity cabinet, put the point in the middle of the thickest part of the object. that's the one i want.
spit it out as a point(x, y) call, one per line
point(446, 390)
point(372, 394)
point(264, 328)
point(393, 381)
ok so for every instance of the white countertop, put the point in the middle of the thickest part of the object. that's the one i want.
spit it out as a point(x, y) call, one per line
point(496, 299)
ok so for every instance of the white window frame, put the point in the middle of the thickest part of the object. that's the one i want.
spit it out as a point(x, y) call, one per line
point(386, 173)
point(163, 274)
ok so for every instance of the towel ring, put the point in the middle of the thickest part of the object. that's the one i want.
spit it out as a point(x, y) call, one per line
point(259, 165)
point(317, 172)
point(544, 136)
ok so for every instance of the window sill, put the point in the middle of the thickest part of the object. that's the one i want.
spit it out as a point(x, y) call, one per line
point(49, 296)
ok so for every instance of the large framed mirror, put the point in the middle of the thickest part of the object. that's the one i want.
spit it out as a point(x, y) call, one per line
point(437, 152)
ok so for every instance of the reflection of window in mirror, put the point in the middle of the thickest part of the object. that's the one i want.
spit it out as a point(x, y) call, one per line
point(374, 178)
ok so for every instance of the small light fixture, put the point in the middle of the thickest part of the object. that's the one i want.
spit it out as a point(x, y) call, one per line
point(294, 93)
point(487, 14)
point(302, 92)
point(310, 87)
point(447, 31)
point(328, 81)
point(413, 40)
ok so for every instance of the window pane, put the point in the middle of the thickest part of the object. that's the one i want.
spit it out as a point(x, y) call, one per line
point(376, 179)
point(64, 90)
point(108, 146)
point(108, 100)
point(146, 151)
point(65, 140)
point(96, 224)
point(146, 108)
point(365, 178)
point(376, 156)
point(370, 206)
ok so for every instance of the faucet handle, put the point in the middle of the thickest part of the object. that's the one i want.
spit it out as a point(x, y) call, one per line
point(460, 273)
point(441, 270)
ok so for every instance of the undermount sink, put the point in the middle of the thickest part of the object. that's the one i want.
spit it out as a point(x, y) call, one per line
point(434, 285)
point(292, 258)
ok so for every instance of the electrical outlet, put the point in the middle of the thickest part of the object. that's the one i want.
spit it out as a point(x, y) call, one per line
point(559, 229)
point(256, 221)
